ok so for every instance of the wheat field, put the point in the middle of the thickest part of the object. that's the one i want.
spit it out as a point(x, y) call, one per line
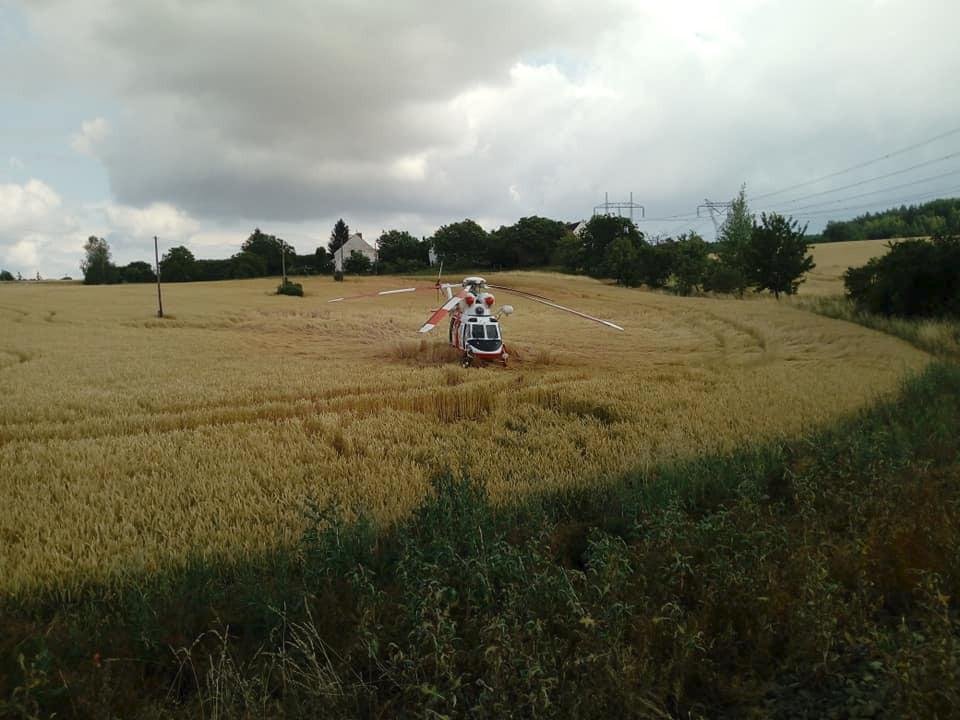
point(832, 261)
point(128, 443)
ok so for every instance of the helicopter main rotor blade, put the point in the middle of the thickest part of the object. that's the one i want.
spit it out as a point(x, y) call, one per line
point(377, 294)
point(549, 303)
point(440, 313)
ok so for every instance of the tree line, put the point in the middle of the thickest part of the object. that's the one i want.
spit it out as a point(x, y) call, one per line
point(769, 254)
point(260, 255)
point(936, 217)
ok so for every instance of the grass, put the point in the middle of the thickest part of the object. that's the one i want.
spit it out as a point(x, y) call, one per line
point(935, 336)
point(816, 577)
point(129, 444)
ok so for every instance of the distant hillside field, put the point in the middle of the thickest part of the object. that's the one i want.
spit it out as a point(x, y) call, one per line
point(832, 261)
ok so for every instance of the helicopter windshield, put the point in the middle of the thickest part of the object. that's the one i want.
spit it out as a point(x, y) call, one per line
point(478, 332)
point(492, 332)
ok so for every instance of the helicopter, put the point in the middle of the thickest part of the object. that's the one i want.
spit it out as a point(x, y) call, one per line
point(474, 329)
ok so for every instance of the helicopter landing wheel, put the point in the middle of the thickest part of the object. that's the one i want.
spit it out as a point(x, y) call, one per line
point(466, 361)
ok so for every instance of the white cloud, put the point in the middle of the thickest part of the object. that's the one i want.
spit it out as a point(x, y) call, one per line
point(22, 253)
point(38, 231)
point(91, 136)
point(410, 167)
point(23, 206)
point(157, 219)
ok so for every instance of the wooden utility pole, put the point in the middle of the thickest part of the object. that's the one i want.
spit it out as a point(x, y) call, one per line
point(156, 257)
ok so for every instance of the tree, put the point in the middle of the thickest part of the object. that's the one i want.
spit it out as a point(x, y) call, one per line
point(137, 272)
point(842, 232)
point(461, 244)
point(324, 261)
point(936, 217)
point(721, 278)
point(621, 261)
point(599, 234)
point(357, 263)
point(6, 276)
point(215, 269)
point(178, 265)
point(691, 261)
point(96, 266)
point(399, 251)
point(735, 234)
point(654, 262)
point(530, 242)
point(246, 264)
point(338, 236)
point(777, 255)
point(270, 248)
point(570, 253)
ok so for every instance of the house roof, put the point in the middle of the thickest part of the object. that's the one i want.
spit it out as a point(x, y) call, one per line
point(359, 237)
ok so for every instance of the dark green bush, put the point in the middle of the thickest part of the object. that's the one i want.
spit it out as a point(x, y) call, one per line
point(722, 278)
point(915, 278)
point(290, 288)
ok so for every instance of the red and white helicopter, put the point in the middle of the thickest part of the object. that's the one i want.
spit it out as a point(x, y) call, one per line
point(474, 328)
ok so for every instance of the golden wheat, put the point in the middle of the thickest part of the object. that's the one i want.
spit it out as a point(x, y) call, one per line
point(128, 443)
point(832, 261)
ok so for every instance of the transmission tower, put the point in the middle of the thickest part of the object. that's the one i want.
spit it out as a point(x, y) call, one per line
point(716, 210)
point(618, 208)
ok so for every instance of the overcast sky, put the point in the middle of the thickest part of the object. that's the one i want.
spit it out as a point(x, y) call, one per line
point(199, 120)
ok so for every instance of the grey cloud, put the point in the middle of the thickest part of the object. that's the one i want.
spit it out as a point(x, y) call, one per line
point(299, 111)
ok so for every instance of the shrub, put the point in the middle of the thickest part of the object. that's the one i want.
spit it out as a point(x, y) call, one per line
point(357, 263)
point(915, 279)
point(691, 261)
point(290, 288)
point(656, 263)
point(722, 278)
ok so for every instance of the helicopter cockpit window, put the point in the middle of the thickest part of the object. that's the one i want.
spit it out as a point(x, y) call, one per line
point(478, 331)
point(492, 333)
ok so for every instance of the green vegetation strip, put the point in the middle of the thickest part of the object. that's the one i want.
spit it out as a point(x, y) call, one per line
point(937, 336)
point(817, 578)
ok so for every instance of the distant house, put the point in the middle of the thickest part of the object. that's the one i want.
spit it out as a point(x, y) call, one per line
point(356, 242)
point(577, 227)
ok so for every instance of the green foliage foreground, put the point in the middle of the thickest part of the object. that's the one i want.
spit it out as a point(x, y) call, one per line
point(914, 279)
point(813, 578)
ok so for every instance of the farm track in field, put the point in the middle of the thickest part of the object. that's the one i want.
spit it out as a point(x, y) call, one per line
point(273, 410)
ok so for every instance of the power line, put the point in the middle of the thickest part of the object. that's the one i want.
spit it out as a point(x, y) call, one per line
point(873, 179)
point(874, 192)
point(860, 165)
point(931, 195)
